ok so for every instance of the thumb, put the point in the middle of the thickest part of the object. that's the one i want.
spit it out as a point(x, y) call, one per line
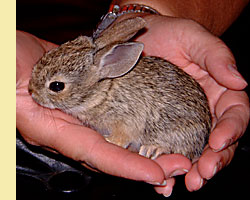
point(221, 66)
point(215, 57)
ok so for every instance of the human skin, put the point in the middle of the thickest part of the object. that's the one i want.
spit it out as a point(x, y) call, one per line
point(192, 48)
point(210, 15)
point(214, 69)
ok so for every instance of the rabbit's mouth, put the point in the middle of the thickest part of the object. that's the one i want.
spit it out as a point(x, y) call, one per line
point(37, 98)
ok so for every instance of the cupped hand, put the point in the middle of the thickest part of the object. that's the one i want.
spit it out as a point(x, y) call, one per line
point(57, 131)
point(185, 44)
point(205, 57)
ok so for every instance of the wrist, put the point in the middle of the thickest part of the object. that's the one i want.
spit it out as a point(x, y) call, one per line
point(156, 5)
point(119, 12)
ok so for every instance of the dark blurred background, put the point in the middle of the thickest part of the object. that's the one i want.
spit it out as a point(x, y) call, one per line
point(62, 20)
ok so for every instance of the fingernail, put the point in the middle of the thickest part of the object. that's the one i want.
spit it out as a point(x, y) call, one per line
point(164, 183)
point(201, 183)
point(224, 145)
point(214, 172)
point(217, 168)
point(178, 172)
point(168, 192)
point(233, 69)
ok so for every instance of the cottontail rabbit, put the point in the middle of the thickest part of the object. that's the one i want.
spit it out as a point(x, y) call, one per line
point(145, 104)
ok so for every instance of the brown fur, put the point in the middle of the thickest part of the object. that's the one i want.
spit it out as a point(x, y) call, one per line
point(151, 106)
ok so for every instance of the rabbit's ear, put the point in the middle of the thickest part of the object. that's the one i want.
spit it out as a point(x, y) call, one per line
point(120, 32)
point(120, 59)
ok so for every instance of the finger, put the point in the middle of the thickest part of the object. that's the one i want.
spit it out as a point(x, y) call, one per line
point(214, 56)
point(83, 144)
point(221, 65)
point(86, 145)
point(174, 164)
point(167, 189)
point(212, 162)
point(29, 49)
point(193, 179)
point(232, 121)
point(22, 50)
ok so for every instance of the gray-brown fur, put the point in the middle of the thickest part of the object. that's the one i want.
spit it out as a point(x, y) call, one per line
point(145, 104)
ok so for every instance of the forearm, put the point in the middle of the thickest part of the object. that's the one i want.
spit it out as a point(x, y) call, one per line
point(215, 15)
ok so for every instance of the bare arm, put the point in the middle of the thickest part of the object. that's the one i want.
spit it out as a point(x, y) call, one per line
point(215, 15)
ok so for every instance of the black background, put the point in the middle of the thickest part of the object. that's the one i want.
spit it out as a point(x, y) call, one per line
point(62, 20)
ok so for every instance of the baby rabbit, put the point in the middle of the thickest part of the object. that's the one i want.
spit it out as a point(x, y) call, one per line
point(145, 104)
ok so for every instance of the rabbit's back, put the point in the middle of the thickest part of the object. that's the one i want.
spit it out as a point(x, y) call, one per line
point(164, 105)
point(142, 103)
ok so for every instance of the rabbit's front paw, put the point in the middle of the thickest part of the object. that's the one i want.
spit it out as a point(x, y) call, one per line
point(120, 140)
point(152, 151)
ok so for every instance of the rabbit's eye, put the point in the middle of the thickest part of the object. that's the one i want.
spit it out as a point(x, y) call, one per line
point(56, 86)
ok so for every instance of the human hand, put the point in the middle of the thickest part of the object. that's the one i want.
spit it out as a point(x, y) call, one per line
point(206, 58)
point(56, 130)
point(50, 128)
